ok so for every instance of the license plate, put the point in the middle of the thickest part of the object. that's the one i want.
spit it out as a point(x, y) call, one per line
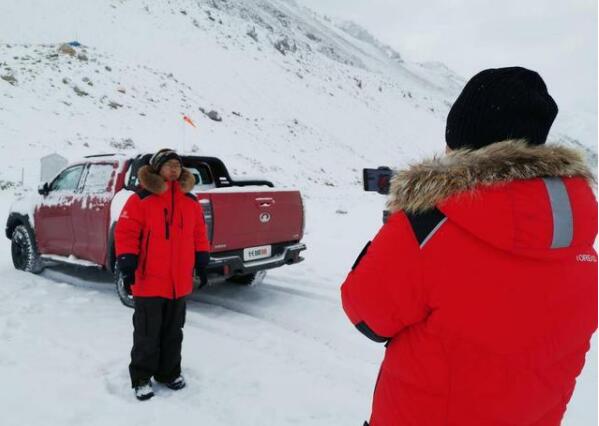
point(254, 253)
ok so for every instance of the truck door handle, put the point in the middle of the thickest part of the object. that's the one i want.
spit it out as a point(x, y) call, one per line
point(264, 202)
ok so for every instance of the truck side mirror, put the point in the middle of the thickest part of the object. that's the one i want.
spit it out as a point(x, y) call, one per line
point(43, 188)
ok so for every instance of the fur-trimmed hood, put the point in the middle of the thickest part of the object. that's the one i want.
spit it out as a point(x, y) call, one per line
point(422, 186)
point(153, 182)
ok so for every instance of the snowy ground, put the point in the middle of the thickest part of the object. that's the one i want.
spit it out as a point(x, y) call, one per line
point(304, 102)
point(281, 353)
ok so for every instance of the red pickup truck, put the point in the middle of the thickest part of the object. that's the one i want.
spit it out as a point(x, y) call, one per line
point(252, 227)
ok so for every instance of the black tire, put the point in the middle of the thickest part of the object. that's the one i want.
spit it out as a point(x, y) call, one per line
point(125, 298)
point(252, 279)
point(23, 250)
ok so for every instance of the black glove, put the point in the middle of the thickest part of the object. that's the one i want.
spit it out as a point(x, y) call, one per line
point(127, 264)
point(203, 278)
point(202, 260)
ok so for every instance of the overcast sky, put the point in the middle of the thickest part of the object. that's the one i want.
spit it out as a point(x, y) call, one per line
point(557, 38)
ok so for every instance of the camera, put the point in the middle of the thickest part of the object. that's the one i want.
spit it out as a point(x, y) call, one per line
point(378, 180)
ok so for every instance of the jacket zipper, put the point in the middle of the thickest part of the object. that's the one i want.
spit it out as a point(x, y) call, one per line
point(172, 217)
point(172, 203)
point(166, 230)
point(147, 252)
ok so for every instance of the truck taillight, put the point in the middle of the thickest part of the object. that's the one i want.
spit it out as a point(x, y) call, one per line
point(208, 217)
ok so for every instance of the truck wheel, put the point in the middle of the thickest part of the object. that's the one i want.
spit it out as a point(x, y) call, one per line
point(125, 298)
point(24, 254)
point(254, 278)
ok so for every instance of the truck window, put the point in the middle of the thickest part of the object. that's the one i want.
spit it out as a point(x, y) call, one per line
point(99, 178)
point(68, 179)
point(202, 176)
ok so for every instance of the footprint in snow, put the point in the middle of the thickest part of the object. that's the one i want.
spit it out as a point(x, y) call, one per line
point(116, 379)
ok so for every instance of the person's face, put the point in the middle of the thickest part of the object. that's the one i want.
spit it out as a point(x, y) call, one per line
point(171, 170)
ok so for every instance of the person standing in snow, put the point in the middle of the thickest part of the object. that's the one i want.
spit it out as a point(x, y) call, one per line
point(483, 281)
point(160, 237)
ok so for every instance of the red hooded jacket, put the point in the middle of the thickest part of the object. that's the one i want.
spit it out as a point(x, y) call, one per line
point(164, 226)
point(484, 283)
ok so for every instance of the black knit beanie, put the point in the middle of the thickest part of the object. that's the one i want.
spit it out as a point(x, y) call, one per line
point(499, 104)
point(162, 156)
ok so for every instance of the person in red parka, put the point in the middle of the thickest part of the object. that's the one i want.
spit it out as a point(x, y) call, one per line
point(160, 237)
point(483, 280)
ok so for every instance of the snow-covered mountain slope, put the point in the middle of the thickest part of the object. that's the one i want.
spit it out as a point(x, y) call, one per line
point(304, 100)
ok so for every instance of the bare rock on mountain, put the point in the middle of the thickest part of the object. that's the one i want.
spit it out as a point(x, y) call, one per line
point(252, 33)
point(284, 45)
point(214, 115)
point(9, 78)
point(65, 49)
point(123, 143)
point(80, 92)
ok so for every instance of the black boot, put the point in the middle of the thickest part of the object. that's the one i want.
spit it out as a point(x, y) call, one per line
point(143, 391)
point(175, 384)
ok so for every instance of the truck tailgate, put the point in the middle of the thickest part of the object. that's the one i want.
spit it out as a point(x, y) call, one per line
point(253, 219)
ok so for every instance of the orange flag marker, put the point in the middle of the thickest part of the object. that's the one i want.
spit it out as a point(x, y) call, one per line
point(188, 121)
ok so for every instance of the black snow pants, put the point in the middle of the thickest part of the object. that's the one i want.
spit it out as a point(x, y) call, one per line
point(157, 338)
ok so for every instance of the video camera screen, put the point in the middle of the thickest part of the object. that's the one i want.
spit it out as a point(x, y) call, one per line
point(377, 180)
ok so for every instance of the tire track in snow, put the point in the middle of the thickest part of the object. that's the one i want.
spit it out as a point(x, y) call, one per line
point(308, 318)
point(296, 311)
point(298, 292)
point(304, 281)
